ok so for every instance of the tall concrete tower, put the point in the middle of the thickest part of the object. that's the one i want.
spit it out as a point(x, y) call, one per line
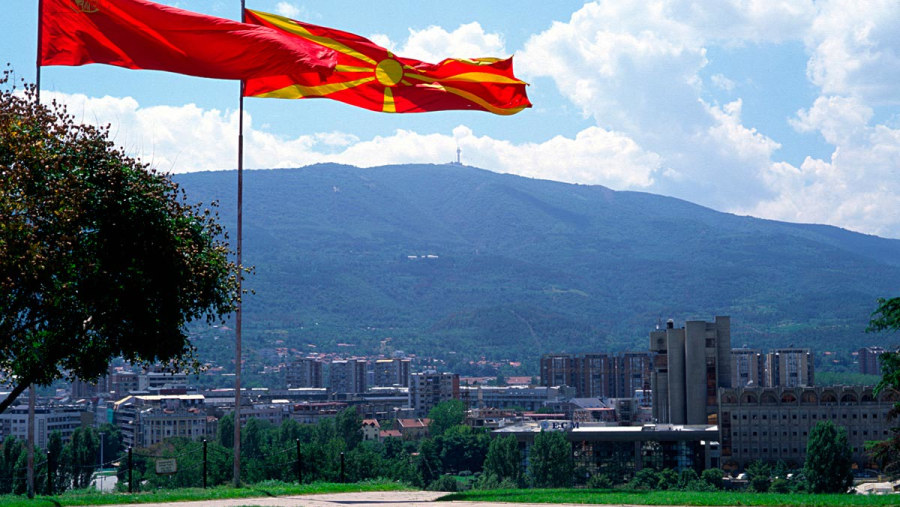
point(689, 365)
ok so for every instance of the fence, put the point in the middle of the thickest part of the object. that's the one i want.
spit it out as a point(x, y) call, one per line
point(280, 464)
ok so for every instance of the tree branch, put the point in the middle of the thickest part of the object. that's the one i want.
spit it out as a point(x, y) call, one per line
point(20, 387)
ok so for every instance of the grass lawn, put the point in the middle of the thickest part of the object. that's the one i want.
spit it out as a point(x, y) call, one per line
point(176, 495)
point(597, 496)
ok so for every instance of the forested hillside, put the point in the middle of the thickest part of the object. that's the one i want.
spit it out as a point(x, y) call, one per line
point(462, 263)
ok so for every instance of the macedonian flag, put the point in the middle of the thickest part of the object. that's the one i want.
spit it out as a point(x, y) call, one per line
point(140, 34)
point(373, 78)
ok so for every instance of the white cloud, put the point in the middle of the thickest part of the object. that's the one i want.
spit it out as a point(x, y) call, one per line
point(434, 43)
point(634, 67)
point(856, 50)
point(289, 10)
point(722, 82)
point(857, 188)
point(188, 138)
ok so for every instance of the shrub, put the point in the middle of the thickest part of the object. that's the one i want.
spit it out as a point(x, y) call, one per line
point(600, 481)
point(444, 483)
point(713, 476)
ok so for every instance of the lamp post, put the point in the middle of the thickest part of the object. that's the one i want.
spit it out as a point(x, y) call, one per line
point(100, 468)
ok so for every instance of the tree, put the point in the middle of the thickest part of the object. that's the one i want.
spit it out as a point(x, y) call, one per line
point(550, 463)
point(713, 477)
point(829, 459)
point(80, 456)
point(759, 473)
point(463, 448)
point(445, 415)
point(225, 431)
point(887, 318)
point(504, 459)
point(645, 478)
point(99, 256)
point(10, 450)
point(349, 426)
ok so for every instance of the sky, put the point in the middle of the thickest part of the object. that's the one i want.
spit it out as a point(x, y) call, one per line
point(787, 110)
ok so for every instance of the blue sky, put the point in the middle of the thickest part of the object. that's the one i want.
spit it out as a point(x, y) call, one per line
point(783, 110)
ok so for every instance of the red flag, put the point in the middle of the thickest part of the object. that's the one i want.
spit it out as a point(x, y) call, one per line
point(371, 77)
point(139, 34)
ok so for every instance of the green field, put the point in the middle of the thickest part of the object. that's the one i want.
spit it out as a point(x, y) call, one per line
point(593, 496)
point(195, 494)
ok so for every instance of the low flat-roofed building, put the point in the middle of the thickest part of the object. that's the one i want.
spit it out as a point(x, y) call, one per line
point(633, 447)
point(312, 413)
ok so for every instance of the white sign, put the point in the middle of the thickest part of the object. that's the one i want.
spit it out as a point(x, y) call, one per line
point(166, 466)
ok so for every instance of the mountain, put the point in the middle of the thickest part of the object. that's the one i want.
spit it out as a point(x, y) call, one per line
point(461, 262)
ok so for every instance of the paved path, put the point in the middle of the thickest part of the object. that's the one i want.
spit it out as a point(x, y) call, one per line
point(372, 498)
point(368, 499)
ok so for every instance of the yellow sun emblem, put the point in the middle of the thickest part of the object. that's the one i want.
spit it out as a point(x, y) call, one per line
point(389, 72)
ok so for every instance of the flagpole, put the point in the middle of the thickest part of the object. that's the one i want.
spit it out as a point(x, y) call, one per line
point(240, 275)
point(31, 394)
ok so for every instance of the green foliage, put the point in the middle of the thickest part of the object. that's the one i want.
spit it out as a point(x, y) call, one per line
point(80, 456)
point(668, 479)
point(550, 460)
point(10, 451)
point(444, 483)
point(686, 477)
point(645, 479)
point(780, 485)
point(503, 460)
point(522, 263)
point(446, 415)
point(225, 431)
point(624, 497)
point(713, 477)
point(99, 257)
point(61, 479)
point(759, 474)
point(349, 427)
point(600, 481)
point(829, 459)
point(846, 378)
point(463, 448)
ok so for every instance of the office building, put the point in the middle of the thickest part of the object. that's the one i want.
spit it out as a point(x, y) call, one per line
point(748, 368)
point(430, 388)
point(789, 367)
point(65, 419)
point(348, 376)
point(598, 375)
point(868, 360)
point(773, 423)
point(689, 365)
point(559, 370)
point(391, 372)
point(304, 372)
